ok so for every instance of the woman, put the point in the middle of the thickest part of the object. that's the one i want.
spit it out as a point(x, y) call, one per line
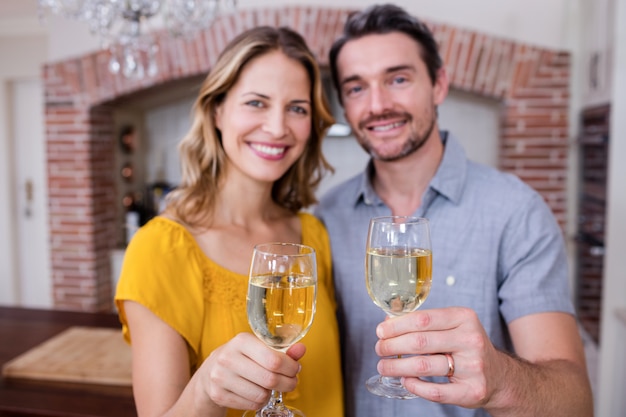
point(251, 162)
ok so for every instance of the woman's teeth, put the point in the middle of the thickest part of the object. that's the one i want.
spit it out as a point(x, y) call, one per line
point(269, 150)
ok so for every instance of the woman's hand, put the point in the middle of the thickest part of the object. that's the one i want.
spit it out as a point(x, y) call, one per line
point(238, 375)
point(242, 373)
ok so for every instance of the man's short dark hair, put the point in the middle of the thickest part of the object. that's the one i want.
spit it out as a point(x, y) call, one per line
point(383, 19)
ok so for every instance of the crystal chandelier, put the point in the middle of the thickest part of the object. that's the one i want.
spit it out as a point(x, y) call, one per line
point(123, 25)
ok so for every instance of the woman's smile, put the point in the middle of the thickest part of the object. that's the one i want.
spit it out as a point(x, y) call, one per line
point(269, 151)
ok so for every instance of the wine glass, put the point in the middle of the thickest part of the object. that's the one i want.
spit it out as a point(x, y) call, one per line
point(398, 274)
point(282, 290)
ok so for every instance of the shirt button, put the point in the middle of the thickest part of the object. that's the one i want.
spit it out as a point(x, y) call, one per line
point(450, 280)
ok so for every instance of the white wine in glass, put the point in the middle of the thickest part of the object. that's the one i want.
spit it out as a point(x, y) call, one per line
point(398, 275)
point(282, 290)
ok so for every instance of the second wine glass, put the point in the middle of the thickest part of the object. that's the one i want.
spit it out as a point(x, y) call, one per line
point(398, 272)
point(282, 290)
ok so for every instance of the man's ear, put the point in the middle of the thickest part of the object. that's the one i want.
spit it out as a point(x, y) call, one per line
point(441, 87)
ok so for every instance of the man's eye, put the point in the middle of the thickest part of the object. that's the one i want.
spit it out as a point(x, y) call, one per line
point(399, 80)
point(350, 91)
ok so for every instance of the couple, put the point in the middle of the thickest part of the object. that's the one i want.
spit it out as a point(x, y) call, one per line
point(498, 323)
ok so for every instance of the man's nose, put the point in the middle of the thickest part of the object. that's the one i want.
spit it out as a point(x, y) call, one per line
point(380, 100)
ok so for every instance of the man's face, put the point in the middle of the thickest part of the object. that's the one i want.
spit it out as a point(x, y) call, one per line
point(388, 97)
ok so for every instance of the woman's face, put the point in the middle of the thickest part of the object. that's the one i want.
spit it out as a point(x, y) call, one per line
point(265, 118)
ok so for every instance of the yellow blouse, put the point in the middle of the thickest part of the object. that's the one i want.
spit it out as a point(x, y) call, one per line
point(166, 271)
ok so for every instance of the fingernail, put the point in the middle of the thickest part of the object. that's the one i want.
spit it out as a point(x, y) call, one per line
point(379, 332)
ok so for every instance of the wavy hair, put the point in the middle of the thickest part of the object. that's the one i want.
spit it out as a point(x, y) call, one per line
point(201, 152)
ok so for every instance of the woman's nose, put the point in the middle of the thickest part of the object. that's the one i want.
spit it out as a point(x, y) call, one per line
point(275, 124)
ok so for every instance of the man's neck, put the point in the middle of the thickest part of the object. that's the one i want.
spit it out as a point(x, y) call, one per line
point(402, 183)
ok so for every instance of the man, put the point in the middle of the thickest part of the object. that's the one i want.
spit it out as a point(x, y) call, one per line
point(499, 320)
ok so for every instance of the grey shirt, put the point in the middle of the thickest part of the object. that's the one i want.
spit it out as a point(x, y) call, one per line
point(497, 249)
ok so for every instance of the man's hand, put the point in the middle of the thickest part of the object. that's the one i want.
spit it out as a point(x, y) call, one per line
point(546, 378)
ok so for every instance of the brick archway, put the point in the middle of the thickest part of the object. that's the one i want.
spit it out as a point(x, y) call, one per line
point(531, 83)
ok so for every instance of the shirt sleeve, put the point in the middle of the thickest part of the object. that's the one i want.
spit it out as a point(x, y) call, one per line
point(161, 272)
point(533, 263)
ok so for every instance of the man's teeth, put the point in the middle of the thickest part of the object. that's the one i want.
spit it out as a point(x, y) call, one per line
point(270, 150)
point(390, 126)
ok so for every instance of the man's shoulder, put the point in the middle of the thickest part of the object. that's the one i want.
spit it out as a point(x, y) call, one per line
point(501, 195)
point(342, 194)
point(501, 183)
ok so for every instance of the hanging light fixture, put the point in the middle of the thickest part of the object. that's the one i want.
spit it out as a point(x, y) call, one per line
point(124, 26)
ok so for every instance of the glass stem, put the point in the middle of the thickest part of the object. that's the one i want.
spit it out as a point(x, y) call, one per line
point(275, 403)
point(277, 399)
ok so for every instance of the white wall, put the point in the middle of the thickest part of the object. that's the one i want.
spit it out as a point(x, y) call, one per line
point(597, 41)
point(20, 59)
point(30, 194)
point(611, 401)
point(165, 127)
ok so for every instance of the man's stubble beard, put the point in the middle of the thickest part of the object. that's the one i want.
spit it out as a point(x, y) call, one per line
point(413, 143)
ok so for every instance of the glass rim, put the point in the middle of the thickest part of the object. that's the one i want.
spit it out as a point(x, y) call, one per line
point(405, 219)
point(264, 248)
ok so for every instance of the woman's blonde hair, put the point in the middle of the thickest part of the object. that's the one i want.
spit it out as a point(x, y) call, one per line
point(201, 151)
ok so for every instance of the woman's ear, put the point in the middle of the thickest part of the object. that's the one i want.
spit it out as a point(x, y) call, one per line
point(217, 115)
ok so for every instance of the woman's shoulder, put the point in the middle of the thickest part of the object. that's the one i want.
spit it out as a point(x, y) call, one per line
point(310, 223)
point(313, 231)
point(161, 234)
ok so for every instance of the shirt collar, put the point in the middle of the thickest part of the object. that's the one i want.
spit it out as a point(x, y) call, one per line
point(448, 180)
point(451, 175)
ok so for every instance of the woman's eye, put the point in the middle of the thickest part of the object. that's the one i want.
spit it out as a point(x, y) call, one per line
point(255, 103)
point(299, 109)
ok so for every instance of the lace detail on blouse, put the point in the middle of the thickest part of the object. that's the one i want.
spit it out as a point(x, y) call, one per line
point(220, 285)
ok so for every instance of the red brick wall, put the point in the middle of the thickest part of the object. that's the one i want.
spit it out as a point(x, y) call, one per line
point(530, 82)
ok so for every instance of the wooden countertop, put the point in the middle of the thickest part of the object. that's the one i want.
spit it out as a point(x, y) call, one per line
point(22, 329)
